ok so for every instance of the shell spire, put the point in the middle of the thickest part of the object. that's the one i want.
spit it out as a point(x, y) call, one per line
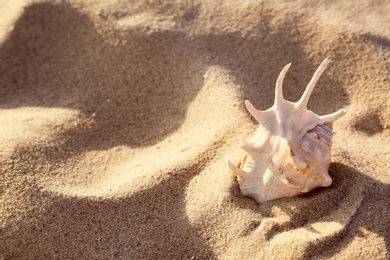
point(290, 152)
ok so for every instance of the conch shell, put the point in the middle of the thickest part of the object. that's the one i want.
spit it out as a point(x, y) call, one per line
point(290, 152)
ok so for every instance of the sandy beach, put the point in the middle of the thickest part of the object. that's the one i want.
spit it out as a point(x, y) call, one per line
point(117, 119)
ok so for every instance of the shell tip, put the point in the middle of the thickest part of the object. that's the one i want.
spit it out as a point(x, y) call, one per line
point(247, 148)
point(235, 169)
point(232, 166)
point(253, 111)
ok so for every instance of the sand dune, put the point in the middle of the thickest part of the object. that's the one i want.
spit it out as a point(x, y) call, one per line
point(117, 120)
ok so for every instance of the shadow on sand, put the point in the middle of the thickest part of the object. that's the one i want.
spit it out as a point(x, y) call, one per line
point(55, 57)
point(365, 203)
point(135, 226)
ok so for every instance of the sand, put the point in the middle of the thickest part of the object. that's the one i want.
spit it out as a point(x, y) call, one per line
point(117, 119)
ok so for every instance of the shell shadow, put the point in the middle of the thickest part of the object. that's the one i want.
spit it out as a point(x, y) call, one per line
point(367, 198)
point(371, 215)
point(48, 61)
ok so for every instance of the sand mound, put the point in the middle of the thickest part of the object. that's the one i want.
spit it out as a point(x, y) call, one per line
point(117, 120)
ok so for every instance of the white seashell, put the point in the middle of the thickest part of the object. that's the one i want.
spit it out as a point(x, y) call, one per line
point(290, 152)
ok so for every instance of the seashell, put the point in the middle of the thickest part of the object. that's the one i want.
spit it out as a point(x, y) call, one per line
point(290, 152)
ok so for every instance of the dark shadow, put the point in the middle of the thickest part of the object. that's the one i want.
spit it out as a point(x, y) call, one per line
point(134, 227)
point(55, 57)
point(371, 215)
point(314, 210)
point(370, 124)
point(188, 14)
point(255, 62)
point(381, 43)
point(323, 203)
point(377, 40)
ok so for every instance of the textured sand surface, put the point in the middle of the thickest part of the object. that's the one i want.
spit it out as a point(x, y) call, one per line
point(117, 119)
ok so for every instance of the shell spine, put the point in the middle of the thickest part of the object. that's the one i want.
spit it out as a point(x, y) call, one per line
point(290, 152)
